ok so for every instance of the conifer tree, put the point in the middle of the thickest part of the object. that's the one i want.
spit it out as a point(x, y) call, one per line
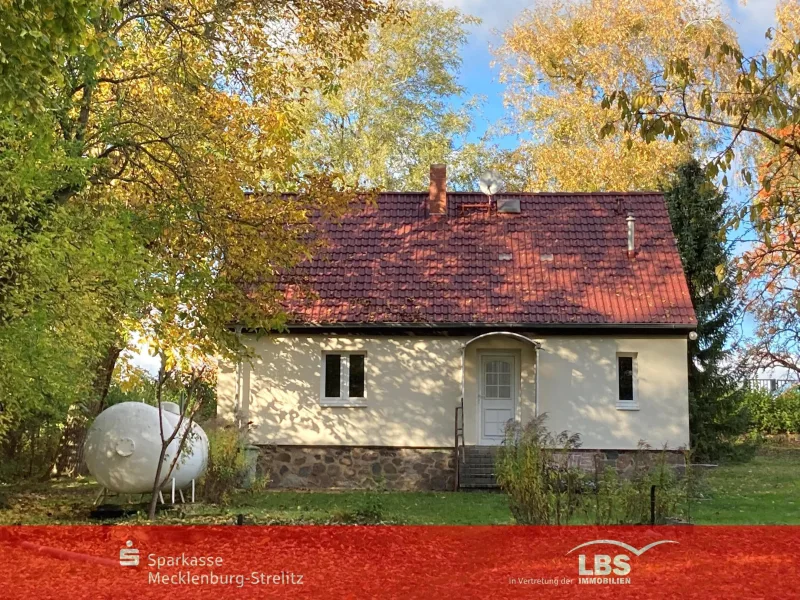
point(697, 211)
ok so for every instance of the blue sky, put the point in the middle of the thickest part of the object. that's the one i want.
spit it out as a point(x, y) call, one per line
point(750, 20)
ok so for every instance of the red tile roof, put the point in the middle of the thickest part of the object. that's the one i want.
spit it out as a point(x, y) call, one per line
point(564, 261)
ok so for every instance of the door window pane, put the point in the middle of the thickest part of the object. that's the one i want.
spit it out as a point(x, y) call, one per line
point(497, 379)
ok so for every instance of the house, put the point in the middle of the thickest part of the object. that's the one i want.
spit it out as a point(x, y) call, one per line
point(432, 319)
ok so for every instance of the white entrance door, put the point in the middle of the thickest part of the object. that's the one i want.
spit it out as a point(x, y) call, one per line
point(496, 396)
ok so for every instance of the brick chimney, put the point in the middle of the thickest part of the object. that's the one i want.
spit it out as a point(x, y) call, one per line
point(437, 196)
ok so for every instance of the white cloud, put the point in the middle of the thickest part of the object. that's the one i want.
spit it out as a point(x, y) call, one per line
point(495, 14)
point(750, 18)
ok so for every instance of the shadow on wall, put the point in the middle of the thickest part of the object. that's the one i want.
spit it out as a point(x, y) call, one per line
point(412, 387)
point(579, 391)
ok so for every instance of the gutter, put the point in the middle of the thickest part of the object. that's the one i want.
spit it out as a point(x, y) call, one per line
point(676, 328)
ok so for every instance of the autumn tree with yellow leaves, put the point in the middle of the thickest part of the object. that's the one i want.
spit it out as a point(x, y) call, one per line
point(169, 124)
point(749, 105)
point(559, 60)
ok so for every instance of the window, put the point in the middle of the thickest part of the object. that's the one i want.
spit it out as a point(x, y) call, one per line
point(343, 379)
point(627, 397)
point(497, 383)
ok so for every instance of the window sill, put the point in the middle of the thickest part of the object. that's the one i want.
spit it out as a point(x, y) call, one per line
point(342, 403)
point(627, 406)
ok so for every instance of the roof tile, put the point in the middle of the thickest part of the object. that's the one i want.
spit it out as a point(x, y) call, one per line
point(393, 263)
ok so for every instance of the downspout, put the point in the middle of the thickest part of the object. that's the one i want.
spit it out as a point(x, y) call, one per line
point(239, 382)
point(536, 385)
point(463, 352)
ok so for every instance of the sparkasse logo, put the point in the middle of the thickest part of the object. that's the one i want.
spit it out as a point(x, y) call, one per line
point(129, 556)
point(612, 570)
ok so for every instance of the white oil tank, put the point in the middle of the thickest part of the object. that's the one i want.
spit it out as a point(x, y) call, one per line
point(124, 442)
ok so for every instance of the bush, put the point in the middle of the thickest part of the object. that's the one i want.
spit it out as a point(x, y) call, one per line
point(29, 447)
point(368, 511)
point(772, 414)
point(532, 469)
point(617, 500)
point(227, 463)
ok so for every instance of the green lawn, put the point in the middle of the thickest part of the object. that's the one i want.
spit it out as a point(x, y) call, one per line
point(765, 490)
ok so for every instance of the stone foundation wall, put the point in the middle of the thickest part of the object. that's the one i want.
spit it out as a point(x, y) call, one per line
point(624, 461)
point(357, 467)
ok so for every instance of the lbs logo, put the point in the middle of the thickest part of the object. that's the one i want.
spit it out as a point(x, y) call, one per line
point(611, 569)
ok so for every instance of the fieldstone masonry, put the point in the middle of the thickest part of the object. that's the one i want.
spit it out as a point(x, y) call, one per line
point(624, 461)
point(357, 467)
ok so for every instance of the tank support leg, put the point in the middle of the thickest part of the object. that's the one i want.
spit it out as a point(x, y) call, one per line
point(100, 496)
point(183, 500)
point(161, 497)
point(173, 490)
point(192, 491)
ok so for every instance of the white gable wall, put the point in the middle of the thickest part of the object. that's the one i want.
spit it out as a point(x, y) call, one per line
point(413, 385)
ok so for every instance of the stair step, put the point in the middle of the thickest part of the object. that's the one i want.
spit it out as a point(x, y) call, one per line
point(477, 468)
point(481, 477)
point(479, 486)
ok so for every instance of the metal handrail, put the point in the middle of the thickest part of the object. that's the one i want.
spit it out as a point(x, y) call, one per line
point(459, 442)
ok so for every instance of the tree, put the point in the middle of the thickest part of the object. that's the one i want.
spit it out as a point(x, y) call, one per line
point(37, 36)
point(749, 103)
point(174, 440)
point(697, 211)
point(397, 110)
point(179, 118)
point(58, 325)
point(560, 59)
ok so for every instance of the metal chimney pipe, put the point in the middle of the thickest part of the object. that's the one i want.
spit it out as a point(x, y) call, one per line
point(631, 220)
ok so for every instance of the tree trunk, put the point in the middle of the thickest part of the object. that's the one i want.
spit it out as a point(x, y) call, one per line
point(69, 460)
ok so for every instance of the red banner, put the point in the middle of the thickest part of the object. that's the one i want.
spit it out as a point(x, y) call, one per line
point(399, 562)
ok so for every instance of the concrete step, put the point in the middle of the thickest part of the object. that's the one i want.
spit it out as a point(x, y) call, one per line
point(476, 469)
point(481, 450)
point(479, 480)
point(478, 486)
point(480, 464)
point(474, 475)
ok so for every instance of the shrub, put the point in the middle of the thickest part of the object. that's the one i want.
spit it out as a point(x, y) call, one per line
point(774, 414)
point(617, 500)
point(532, 468)
point(227, 463)
point(368, 511)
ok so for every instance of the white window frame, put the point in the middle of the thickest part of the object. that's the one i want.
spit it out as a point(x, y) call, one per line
point(628, 404)
point(343, 400)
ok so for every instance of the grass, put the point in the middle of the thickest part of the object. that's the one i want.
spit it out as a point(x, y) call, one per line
point(765, 490)
point(412, 508)
point(69, 502)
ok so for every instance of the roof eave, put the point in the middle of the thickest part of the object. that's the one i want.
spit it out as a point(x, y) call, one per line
point(662, 328)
